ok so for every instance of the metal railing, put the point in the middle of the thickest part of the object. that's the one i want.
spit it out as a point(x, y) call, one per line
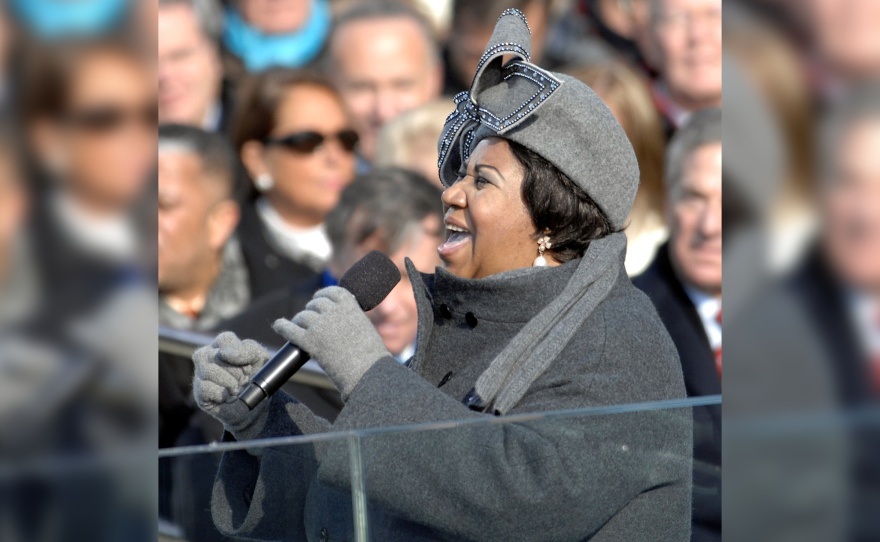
point(183, 343)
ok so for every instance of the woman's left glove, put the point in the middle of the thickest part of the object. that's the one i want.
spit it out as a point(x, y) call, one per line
point(338, 335)
point(222, 370)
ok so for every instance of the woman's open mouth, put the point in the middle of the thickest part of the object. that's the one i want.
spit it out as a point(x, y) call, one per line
point(458, 238)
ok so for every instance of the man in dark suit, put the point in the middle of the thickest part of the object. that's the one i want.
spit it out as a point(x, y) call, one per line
point(684, 283)
point(837, 287)
point(201, 273)
point(839, 282)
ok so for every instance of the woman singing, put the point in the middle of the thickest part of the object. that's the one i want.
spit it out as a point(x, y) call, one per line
point(533, 312)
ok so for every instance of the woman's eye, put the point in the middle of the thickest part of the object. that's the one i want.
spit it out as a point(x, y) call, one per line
point(480, 181)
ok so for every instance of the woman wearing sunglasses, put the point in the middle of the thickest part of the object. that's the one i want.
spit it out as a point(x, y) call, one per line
point(90, 112)
point(297, 145)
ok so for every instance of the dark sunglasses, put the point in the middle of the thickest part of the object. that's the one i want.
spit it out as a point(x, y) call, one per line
point(109, 118)
point(309, 142)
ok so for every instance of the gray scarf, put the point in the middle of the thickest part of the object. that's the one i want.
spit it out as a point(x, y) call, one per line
point(533, 349)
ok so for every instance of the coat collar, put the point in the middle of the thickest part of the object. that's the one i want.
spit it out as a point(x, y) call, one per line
point(513, 297)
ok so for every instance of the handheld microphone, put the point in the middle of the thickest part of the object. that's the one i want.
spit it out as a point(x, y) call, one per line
point(371, 279)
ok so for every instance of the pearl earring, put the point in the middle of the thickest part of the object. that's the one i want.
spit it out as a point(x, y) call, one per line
point(543, 244)
point(264, 182)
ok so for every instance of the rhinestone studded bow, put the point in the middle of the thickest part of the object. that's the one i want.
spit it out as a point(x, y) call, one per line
point(544, 244)
point(501, 97)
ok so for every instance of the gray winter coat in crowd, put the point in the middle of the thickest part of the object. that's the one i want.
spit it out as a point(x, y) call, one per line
point(621, 477)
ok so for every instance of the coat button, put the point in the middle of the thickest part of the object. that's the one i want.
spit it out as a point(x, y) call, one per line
point(470, 319)
point(445, 379)
point(473, 401)
point(445, 312)
point(324, 536)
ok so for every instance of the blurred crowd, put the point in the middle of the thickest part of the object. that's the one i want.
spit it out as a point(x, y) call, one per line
point(287, 138)
point(296, 136)
point(333, 110)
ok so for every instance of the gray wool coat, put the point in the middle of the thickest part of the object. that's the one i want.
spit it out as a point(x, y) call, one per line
point(623, 477)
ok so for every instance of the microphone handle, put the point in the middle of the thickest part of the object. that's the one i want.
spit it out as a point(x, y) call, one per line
point(278, 370)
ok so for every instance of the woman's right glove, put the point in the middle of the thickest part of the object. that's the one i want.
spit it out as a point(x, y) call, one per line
point(222, 370)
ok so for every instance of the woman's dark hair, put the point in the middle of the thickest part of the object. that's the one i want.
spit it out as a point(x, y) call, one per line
point(559, 206)
point(262, 95)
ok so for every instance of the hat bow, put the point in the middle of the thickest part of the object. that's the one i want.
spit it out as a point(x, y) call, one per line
point(502, 96)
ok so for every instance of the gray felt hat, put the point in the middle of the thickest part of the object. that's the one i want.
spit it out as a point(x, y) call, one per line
point(554, 115)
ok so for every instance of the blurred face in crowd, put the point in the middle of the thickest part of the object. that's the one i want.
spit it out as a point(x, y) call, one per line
point(694, 214)
point(489, 227)
point(468, 39)
point(196, 218)
point(146, 14)
point(851, 202)
point(275, 16)
point(190, 70)
point(846, 34)
point(396, 317)
point(306, 183)
point(688, 35)
point(383, 67)
point(12, 207)
point(615, 16)
point(640, 19)
point(466, 45)
point(105, 145)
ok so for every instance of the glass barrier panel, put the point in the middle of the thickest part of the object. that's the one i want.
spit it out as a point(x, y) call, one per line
point(806, 476)
point(544, 476)
point(615, 472)
point(95, 496)
point(246, 490)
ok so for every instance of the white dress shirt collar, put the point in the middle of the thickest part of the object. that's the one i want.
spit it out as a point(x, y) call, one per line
point(865, 314)
point(708, 308)
point(310, 246)
point(112, 236)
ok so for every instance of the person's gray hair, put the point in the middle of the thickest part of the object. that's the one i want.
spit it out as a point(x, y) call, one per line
point(388, 202)
point(703, 128)
point(208, 15)
point(861, 104)
point(387, 9)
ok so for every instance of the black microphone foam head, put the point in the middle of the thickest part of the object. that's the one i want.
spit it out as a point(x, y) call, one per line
point(371, 279)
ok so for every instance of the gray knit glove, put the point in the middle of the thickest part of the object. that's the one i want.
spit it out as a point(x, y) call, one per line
point(338, 335)
point(222, 370)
